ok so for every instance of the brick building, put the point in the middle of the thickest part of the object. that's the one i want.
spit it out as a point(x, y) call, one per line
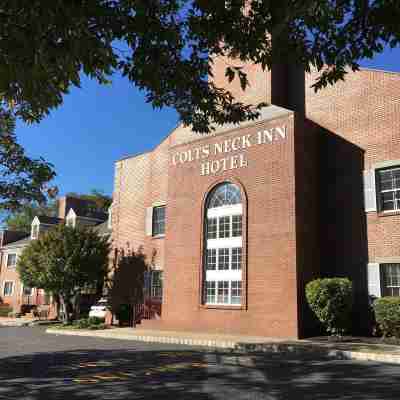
point(240, 220)
point(72, 211)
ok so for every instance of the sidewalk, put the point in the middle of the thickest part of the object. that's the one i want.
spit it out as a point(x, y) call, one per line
point(25, 321)
point(343, 350)
point(6, 321)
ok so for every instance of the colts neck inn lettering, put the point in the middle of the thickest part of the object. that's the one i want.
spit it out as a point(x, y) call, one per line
point(239, 143)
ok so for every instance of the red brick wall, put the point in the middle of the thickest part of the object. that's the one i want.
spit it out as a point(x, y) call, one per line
point(269, 183)
point(305, 197)
point(365, 111)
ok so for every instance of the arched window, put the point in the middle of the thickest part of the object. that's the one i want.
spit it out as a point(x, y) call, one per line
point(223, 246)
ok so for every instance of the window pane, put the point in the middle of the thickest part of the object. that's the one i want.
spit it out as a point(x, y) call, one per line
point(212, 228)
point(224, 227)
point(223, 259)
point(224, 194)
point(388, 201)
point(211, 262)
point(236, 292)
point(210, 292)
point(156, 284)
point(396, 178)
point(158, 220)
point(237, 225)
point(223, 292)
point(8, 287)
point(391, 279)
point(236, 258)
point(27, 291)
point(11, 260)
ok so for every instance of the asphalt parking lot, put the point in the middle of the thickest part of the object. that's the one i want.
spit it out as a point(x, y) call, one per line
point(35, 365)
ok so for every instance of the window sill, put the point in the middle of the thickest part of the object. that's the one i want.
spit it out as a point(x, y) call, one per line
point(388, 213)
point(158, 236)
point(223, 307)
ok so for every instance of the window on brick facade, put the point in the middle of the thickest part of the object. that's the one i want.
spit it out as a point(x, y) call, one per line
point(223, 246)
point(156, 284)
point(27, 291)
point(390, 279)
point(389, 189)
point(158, 220)
point(8, 288)
point(11, 260)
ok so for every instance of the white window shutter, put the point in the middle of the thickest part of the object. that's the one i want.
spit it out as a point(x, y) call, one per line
point(369, 190)
point(374, 280)
point(149, 221)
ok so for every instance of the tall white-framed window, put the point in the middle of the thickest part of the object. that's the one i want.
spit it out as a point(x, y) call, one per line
point(223, 246)
point(390, 276)
point(11, 260)
point(158, 221)
point(8, 288)
point(388, 181)
point(156, 284)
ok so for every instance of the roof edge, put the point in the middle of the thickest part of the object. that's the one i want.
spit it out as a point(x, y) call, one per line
point(379, 70)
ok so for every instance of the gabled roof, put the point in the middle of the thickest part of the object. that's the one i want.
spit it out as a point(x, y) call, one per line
point(102, 229)
point(18, 243)
point(44, 219)
point(99, 215)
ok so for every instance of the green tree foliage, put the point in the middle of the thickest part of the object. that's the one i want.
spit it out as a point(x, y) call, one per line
point(387, 314)
point(127, 281)
point(166, 47)
point(331, 300)
point(65, 261)
point(22, 179)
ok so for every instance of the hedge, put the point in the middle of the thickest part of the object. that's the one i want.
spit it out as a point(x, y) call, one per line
point(5, 309)
point(387, 314)
point(331, 300)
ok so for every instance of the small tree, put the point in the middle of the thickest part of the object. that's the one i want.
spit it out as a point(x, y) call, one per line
point(127, 282)
point(63, 262)
point(331, 301)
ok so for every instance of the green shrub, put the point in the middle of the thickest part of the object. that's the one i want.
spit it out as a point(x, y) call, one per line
point(5, 310)
point(95, 320)
point(331, 301)
point(89, 323)
point(387, 314)
point(98, 326)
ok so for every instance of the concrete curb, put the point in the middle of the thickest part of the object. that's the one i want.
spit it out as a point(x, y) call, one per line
point(14, 324)
point(150, 339)
point(300, 349)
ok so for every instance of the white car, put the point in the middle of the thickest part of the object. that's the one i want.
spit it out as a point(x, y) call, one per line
point(99, 309)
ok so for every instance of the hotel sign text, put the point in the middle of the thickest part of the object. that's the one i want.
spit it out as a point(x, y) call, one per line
point(239, 143)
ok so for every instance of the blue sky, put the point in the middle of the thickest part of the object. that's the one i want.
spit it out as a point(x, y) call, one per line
point(97, 125)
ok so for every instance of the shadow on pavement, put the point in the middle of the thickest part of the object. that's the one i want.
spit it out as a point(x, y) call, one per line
point(136, 374)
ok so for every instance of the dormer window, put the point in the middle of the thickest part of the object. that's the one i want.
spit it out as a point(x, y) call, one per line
point(35, 231)
point(70, 220)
